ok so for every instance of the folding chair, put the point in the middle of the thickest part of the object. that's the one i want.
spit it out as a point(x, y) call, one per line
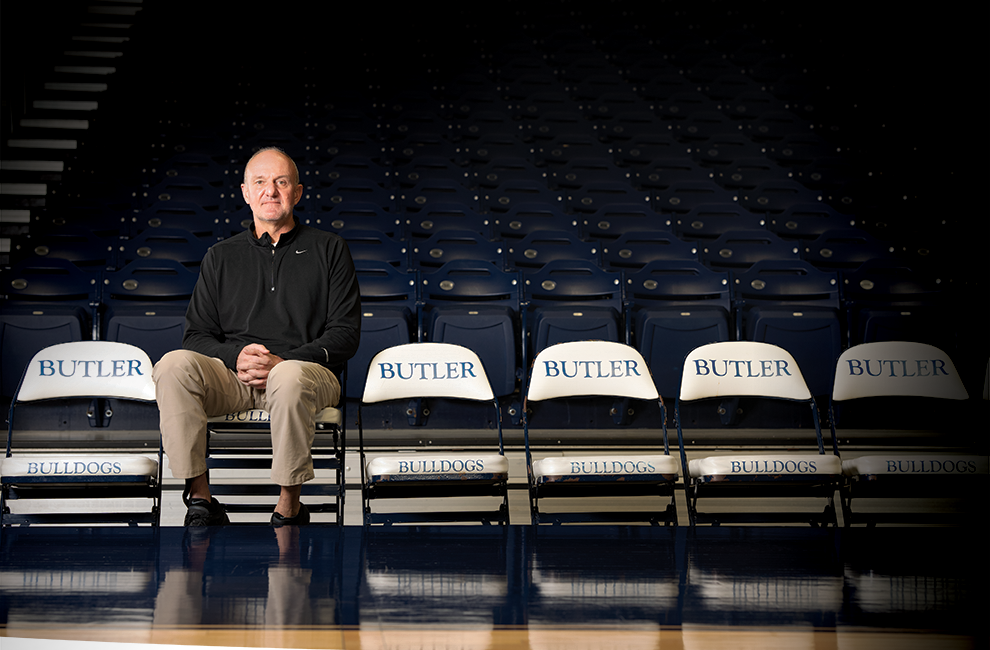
point(439, 370)
point(752, 369)
point(585, 369)
point(96, 370)
point(891, 369)
point(239, 456)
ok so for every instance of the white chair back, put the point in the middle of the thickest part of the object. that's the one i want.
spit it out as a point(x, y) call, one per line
point(577, 368)
point(896, 368)
point(426, 370)
point(742, 369)
point(88, 369)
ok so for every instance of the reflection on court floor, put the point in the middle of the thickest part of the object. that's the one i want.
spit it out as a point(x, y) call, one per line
point(490, 587)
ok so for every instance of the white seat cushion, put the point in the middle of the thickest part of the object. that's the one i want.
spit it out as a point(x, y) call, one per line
point(766, 465)
point(916, 464)
point(455, 466)
point(76, 468)
point(617, 467)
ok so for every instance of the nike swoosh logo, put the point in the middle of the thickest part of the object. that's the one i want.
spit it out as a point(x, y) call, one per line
point(302, 251)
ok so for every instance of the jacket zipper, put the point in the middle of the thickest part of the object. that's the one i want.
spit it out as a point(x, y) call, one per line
point(273, 271)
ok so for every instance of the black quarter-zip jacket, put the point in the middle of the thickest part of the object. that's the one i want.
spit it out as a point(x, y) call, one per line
point(300, 299)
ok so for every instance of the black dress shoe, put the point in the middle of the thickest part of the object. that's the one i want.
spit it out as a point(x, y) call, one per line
point(301, 518)
point(201, 512)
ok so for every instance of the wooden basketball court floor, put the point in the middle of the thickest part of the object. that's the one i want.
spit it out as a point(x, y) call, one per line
point(474, 587)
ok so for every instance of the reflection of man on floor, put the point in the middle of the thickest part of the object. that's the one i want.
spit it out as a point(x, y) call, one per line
point(180, 600)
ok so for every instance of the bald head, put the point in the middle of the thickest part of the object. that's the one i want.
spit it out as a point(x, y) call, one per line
point(271, 187)
point(273, 151)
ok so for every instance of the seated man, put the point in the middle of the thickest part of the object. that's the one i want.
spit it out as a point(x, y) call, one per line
point(275, 312)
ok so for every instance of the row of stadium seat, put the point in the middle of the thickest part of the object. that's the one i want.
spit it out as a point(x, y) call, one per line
point(665, 307)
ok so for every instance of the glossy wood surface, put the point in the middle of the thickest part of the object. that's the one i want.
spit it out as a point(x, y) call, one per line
point(482, 587)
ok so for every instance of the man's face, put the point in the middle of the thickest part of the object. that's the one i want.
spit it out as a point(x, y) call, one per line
point(270, 187)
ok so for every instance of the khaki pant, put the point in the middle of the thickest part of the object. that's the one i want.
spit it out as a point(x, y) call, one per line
point(190, 387)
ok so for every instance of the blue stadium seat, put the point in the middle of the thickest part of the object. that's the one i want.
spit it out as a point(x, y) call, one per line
point(674, 307)
point(579, 172)
point(771, 197)
point(570, 301)
point(189, 189)
point(524, 219)
point(568, 146)
point(433, 191)
point(808, 221)
point(661, 173)
point(431, 168)
point(145, 304)
point(740, 249)
point(645, 149)
point(357, 215)
point(722, 150)
point(884, 300)
point(709, 221)
point(747, 173)
point(445, 216)
point(613, 221)
point(683, 196)
point(845, 249)
point(374, 246)
point(163, 244)
point(355, 190)
point(702, 125)
point(345, 168)
point(47, 301)
point(475, 304)
point(633, 250)
point(520, 192)
point(389, 315)
point(596, 195)
point(540, 247)
point(504, 169)
point(796, 307)
point(448, 245)
point(176, 215)
point(74, 243)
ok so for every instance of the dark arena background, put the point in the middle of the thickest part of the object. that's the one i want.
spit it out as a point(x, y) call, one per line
point(847, 139)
